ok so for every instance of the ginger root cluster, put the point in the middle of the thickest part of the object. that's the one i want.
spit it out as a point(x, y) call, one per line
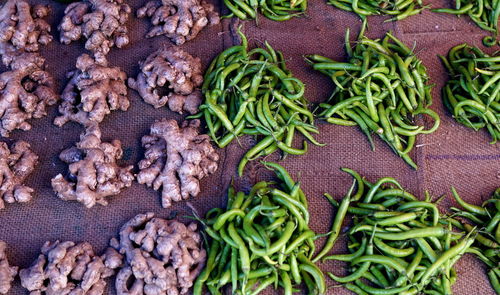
point(26, 89)
point(170, 75)
point(7, 272)
point(176, 158)
point(16, 164)
point(101, 22)
point(160, 256)
point(23, 26)
point(179, 20)
point(25, 92)
point(94, 90)
point(93, 170)
point(66, 268)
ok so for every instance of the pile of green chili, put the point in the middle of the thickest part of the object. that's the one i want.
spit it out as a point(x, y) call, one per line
point(261, 239)
point(252, 92)
point(487, 244)
point(397, 244)
point(381, 89)
point(472, 94)
point(277, 10)
point(485, 13)
point(399, 9)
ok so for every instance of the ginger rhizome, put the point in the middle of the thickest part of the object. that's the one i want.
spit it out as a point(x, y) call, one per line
point(101, 22)
point(176, 158)
point(23, 26)
point(94, 90)
point(173, 76)
point(16, 165)
point(160, 256)
point(66, 268)
point(25, 92)
point(7, 272)
point(179, 20)
point(93, 170)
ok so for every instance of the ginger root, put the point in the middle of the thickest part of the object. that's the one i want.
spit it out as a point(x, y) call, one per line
point(16, 164)
point(93, 171)
point(25, 92)
point(176, 158)
point(170, 75)
point(95, 89)
point(179, 20)
point(101, 22)
point(161, 256)
point(7, 272)
point(66, 268)
point(23, 26)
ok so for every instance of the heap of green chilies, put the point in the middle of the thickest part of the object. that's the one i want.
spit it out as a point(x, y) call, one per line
point(397, 244)
point(399, 9)
point(485, 13)
point(277, 10)
point(487, 244)
point(472, 94)
point(261, 239)
point(381, 89)
point(252, 92)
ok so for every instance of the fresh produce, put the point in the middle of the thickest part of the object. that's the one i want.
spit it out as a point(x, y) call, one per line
point(252, 92)
point(487, 245)
point(178, 20)
point(66, 268)
point(156, 256)
point(472, 94)
point(16, 164)
point(274, 10)
point(23, 26)
point(176, 158)
point(397, 244)
point(485, 13)
point(93, 91)
point(382, 88)
point(26, 89)
point(261, 239)
point(400, 9)
point(94, 173)
point(170, 75)
point(101, 23)
point(7, 272)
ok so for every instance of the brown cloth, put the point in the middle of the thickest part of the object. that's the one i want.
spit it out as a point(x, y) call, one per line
point(453, 155)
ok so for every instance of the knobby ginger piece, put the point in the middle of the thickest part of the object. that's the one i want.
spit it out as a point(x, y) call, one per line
point(101, 22)
point(93, 171)
point(66, 268)
point(16, 164)
point(179, 20)
point(176, 158)
point(95, 89)
point(161, 256)
point(7, 272)
point(170, 75)
point(25, 92)
point(23, 26)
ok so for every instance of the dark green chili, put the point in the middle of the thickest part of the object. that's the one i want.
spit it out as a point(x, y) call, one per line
point(265, 240)
point(252, 92)
point(381, 88)
point(473, 104)
point(336, 226)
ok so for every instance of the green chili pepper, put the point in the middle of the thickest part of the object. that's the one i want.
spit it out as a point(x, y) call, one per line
point(336, 227)
point(473, 103)
point(377, 70)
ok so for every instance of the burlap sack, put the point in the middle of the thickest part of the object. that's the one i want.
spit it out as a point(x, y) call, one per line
point(454, 155)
